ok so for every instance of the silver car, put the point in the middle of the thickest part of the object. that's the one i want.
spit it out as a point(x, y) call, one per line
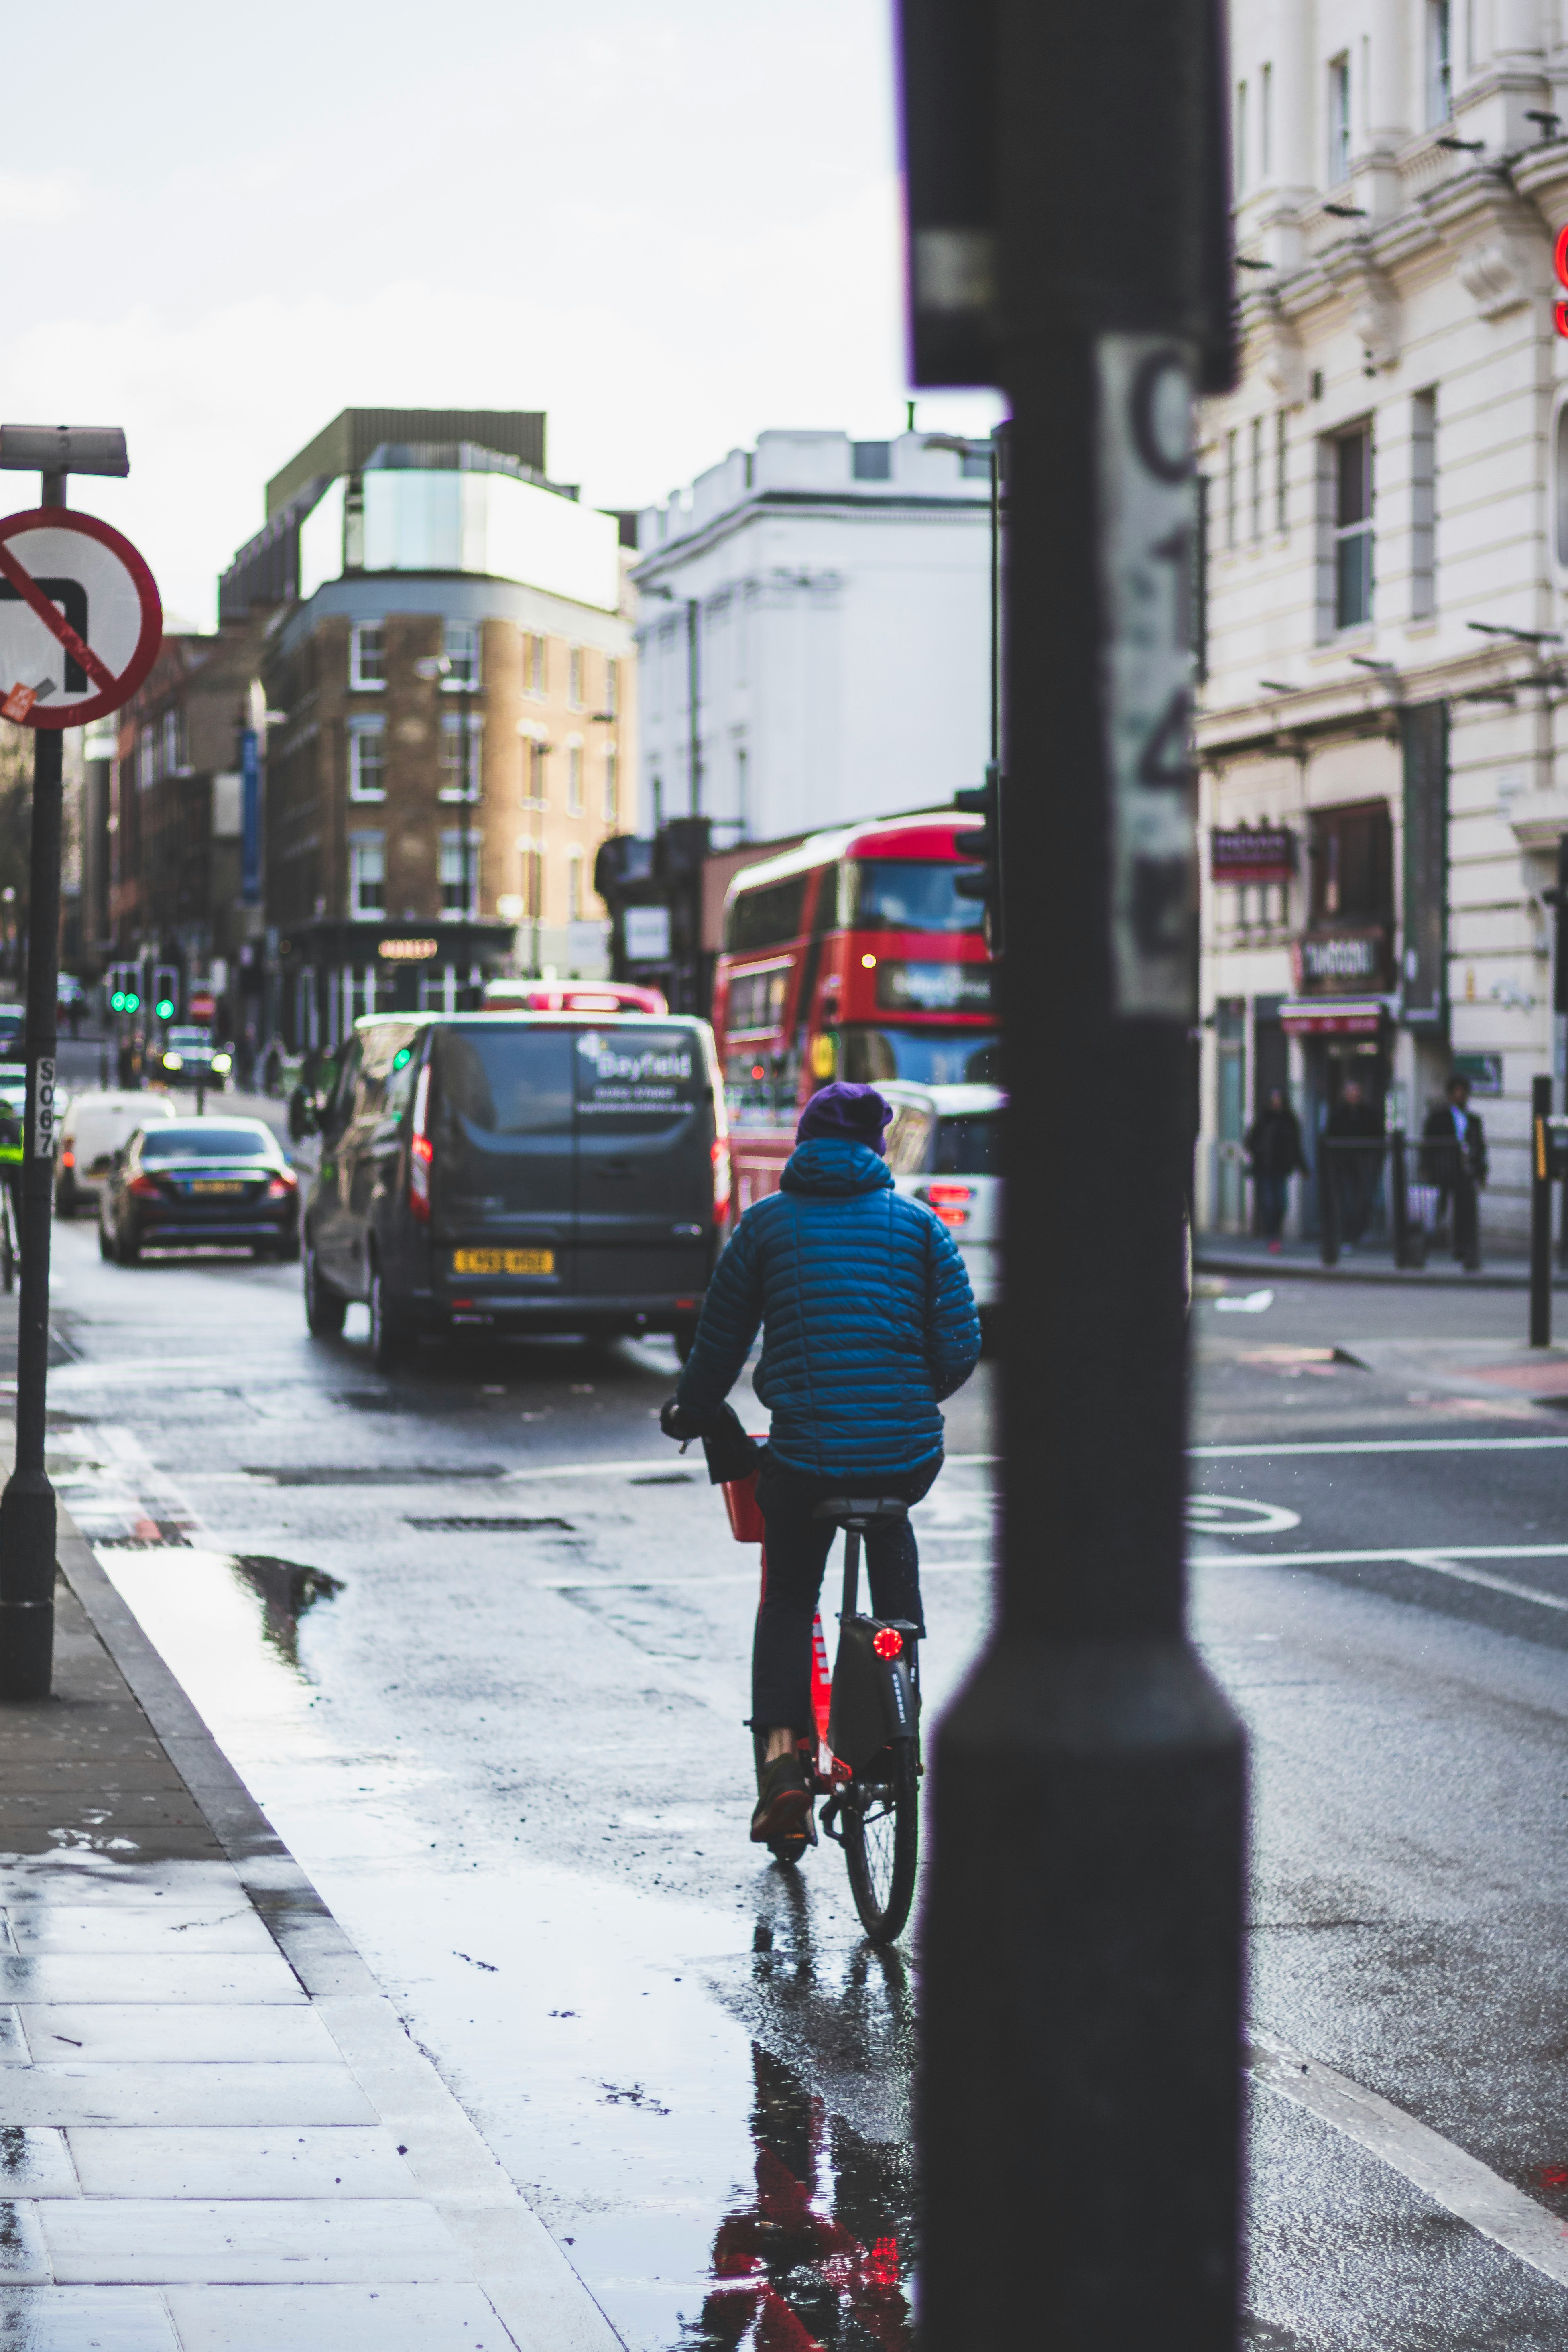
point(944, 1149)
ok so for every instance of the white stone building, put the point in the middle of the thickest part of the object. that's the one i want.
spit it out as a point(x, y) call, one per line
point(1386, 608)
point(822, 605)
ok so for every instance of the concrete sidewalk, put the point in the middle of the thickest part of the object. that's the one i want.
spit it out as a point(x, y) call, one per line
point(214, 2133)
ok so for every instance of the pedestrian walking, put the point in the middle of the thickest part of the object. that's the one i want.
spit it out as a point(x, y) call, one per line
point(1454, 1155)
point(1274, 1154)
point(868, 1322)
point(1355, 1172)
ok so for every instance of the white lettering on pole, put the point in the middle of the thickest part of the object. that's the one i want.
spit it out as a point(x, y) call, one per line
point(43, 1109)
point(1146, 488)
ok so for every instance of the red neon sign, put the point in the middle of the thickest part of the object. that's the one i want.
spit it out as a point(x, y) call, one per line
point(1560, 264)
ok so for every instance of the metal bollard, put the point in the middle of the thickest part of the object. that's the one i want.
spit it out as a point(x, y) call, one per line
point(1540, 1215)
point(1399, 1211)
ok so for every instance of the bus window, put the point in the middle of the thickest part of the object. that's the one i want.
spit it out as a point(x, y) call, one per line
point(908, 894)
point(759, 1089)
point(922, 1057)
point(768, 918)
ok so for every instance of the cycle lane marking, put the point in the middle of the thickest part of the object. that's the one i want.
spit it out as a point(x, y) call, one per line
point(1379, 1445)
point(1461, 2184)
point(1446, 1561)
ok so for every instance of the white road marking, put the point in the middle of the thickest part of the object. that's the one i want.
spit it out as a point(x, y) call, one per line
point(1212, 1515)
point(1460, 2183)
point(1443, 1563)
point(1382, 1446)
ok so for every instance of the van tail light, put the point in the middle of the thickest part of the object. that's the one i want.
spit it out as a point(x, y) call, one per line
point(720, 1156)
point(421, 1151)
point(283, 1184)
point(949, 1201)
point(144, 1188)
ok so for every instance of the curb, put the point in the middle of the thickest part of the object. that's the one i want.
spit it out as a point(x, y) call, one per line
point(538, 2295)
point(1397, 1278)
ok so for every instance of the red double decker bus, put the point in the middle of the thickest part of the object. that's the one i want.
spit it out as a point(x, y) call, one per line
point(852, 956)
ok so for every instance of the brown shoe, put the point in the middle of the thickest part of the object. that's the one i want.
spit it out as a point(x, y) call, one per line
point(784, 1801)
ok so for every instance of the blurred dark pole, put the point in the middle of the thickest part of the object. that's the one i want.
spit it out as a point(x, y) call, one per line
point(1082, 1935)
point(1540, 1213)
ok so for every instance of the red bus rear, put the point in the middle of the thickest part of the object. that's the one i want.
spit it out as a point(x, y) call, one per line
point(850, 957)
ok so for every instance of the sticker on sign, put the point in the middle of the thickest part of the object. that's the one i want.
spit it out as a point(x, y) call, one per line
point(79, 618)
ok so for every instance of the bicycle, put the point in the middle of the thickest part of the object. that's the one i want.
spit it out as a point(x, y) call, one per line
point(865, 1757)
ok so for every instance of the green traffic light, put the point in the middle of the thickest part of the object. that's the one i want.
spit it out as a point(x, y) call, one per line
point(130, 1001)
point(117, 1001)
point(164, 1008)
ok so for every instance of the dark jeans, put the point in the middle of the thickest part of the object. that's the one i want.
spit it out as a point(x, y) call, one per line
point(797, 1550)
point(1271, 1196)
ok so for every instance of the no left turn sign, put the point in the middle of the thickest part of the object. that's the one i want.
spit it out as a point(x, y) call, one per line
point(79, 618)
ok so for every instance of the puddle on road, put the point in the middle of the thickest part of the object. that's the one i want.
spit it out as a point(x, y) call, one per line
point(706, 2102)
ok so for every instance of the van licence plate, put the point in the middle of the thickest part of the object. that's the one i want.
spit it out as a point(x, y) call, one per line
point(226, 1185)
point(503, 1261)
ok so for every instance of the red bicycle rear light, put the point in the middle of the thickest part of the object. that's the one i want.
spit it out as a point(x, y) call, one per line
point(886, 1641)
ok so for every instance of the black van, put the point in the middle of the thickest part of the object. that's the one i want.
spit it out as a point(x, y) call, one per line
point(506, 1172)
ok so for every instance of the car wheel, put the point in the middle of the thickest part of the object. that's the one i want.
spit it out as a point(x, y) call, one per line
point(324, 1308)
point(126, 1252)
point(105, 1250)
point(388, 1333)
point(288, 1250)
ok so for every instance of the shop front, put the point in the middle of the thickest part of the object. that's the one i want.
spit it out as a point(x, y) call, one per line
point(1344, 1041)
point(331, 973)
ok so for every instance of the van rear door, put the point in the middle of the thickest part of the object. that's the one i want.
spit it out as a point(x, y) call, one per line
point(504, 1156)
point(645, 1171)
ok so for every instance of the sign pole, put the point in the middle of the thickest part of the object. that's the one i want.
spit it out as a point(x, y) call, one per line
point(28, 1505)
point(1082, 1932)
point(81, 606)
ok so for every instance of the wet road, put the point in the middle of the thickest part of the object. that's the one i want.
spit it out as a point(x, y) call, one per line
point(475, 1638)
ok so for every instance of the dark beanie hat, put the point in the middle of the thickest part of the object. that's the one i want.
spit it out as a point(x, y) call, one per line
point(855, 1114)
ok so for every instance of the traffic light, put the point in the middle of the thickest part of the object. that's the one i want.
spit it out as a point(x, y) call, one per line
point(985, 846)
point(125, 988)
point(165, 991)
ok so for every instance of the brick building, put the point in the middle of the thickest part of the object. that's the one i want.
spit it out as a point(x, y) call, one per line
point(447, 673)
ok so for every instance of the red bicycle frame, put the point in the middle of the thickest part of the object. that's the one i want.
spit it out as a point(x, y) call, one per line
point(827, 1773)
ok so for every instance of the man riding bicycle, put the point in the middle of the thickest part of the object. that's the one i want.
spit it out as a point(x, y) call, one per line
point(868, 1321)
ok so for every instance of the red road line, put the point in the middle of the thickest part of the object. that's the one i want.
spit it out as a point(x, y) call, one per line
point(33, 596)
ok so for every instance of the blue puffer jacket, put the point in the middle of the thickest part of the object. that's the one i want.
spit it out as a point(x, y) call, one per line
point(867, 1315)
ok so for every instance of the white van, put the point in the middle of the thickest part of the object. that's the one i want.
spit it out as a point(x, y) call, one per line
point(944, 1149)
point(94, 1127)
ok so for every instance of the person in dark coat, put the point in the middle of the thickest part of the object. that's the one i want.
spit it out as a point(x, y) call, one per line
point(1355, 1175)
point(868, 1322)
point(1454, 1158)
point(1273, 1148)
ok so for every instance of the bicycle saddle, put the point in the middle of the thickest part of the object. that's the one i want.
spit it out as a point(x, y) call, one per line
point(845, 1507)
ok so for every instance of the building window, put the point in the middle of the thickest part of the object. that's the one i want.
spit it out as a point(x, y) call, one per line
point(461, 732)
point(1439, 65)
point(612, 702)
point(573, 886)
point(1423, 506)
point(173, 760)
point(367, 873)
point(1266, 122)
point(532, 881)
point(460, 644)
point(1232, 489)
point(574, 677)
point(533, 667)
point(146, 756)
point(1241, 138)
point(612, 785)
point(1339, 120)
point(975, 466)
point(534, 791)
point(1352, 863)
point(1352, 528)
point(1281, 472)
point(367, 654)
point(367, 772)
point(1256, 477)
point(459, 875)
point(873, 461)
point(573, 780)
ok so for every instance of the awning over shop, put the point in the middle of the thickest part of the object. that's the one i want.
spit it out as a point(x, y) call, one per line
point(1328, 1016)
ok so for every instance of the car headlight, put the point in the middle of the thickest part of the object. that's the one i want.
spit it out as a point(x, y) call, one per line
point(223, 1061)
point(173, 1061)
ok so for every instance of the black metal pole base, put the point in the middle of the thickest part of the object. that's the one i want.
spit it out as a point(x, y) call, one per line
point(1081, 2078)
point(27, 1609)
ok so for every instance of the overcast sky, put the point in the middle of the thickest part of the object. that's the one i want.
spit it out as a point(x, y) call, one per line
point(671, 224)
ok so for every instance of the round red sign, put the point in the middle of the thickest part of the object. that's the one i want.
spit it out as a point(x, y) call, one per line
point(79, 618)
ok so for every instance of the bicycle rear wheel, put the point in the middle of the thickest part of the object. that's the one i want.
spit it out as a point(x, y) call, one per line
point(879, 1810)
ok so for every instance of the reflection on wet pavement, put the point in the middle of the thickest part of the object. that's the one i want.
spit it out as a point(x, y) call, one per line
point(286, 1590)
point(815, 2259)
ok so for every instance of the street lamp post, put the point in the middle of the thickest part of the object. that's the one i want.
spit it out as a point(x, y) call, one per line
point(1082, 1933)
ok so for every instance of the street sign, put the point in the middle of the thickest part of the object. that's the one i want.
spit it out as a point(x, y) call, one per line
point(79, 618)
